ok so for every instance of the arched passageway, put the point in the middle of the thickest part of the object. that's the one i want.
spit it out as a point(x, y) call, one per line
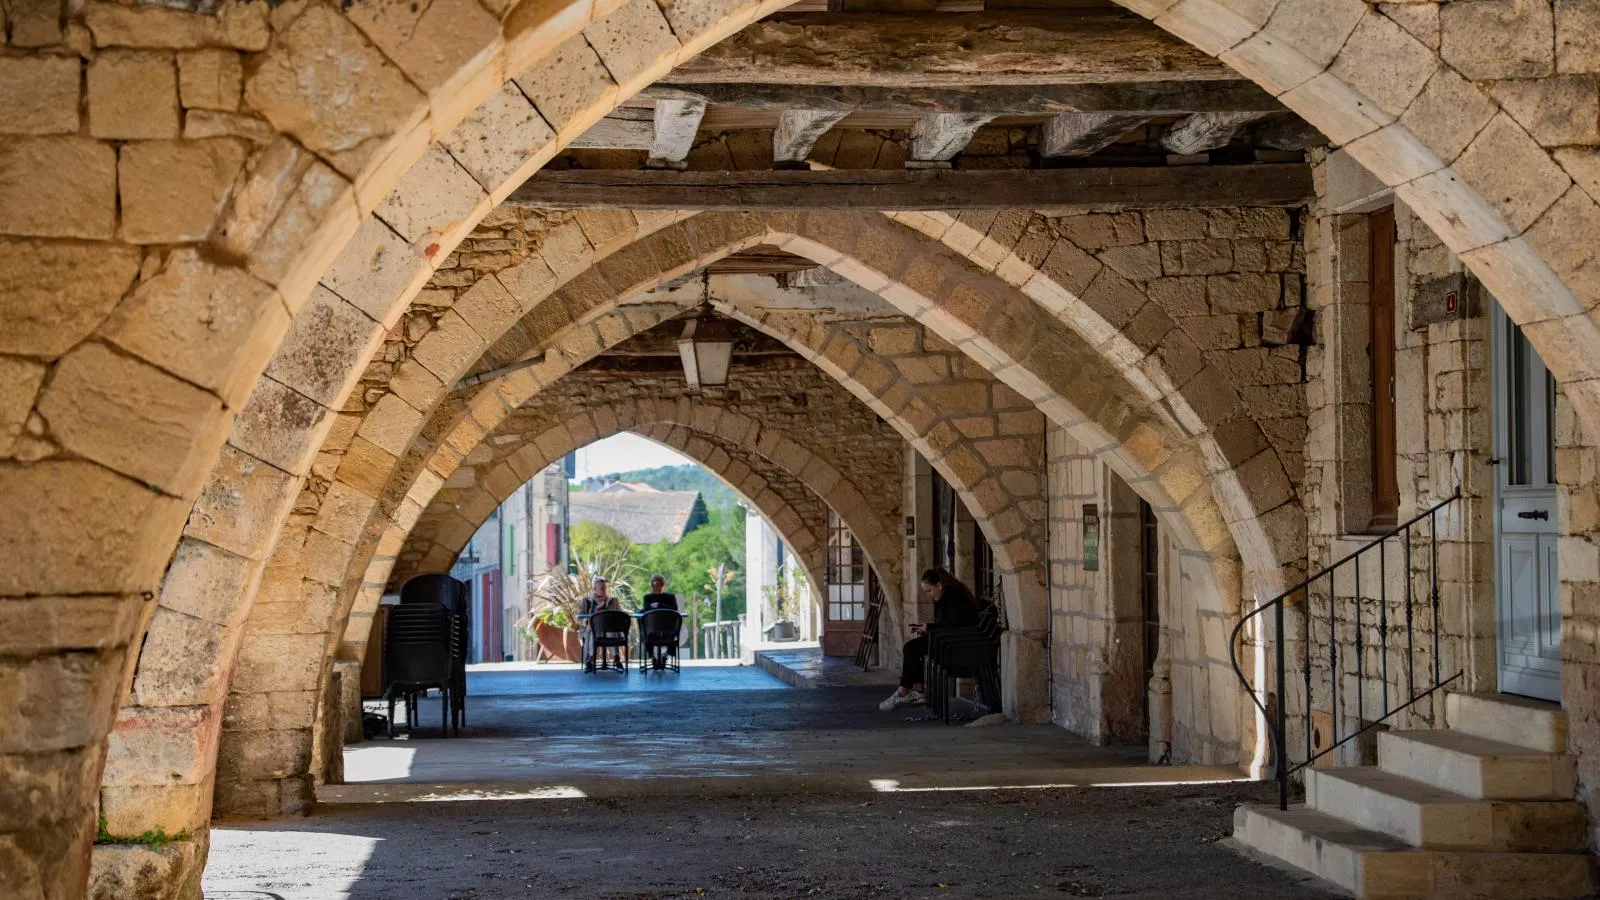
point(1429, 121)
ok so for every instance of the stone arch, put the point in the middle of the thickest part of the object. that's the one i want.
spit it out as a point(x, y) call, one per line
point(801, 507)
point(436, 539)
point(1370, 84)
point(580, 292)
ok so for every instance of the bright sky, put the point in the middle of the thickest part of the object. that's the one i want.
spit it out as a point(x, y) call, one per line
point(623, 452)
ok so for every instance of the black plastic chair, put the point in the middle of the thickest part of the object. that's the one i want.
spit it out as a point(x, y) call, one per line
point(456, 597)
point(659, 630)
point(969, 652)
point(417, 657)
point(609, 629)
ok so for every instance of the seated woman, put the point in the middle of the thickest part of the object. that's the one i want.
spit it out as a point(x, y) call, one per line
point(597, 601)
point(954, 606)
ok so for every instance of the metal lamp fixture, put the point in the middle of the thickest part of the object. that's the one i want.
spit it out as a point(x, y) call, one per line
point(706, 348)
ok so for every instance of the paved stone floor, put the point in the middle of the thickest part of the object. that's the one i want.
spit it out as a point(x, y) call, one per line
point(723, 781)
point(804, 666)
point(1156, 843)
point(533, 729)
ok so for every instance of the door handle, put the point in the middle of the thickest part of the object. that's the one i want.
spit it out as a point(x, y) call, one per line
point(1540, 514)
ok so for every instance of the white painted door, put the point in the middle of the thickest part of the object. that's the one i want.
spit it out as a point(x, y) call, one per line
point(1526, 584)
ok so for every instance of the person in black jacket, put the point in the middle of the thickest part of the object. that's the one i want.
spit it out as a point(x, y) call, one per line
point(954, 606)
point(658, 598)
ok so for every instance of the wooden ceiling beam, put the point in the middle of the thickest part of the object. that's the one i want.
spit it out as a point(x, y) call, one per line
point(798, 131)
point(951, 50)
point(1081, 134)
point(922, 189)
point(1206, 131)
point(1152, 98)
point(938, 137)
point(676, 122)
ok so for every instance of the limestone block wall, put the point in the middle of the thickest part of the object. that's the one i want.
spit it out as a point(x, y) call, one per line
point(1443, 442)
point(1192, 709)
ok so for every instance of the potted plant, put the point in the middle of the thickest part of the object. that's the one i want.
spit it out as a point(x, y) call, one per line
point(555, 598)
point(783, 598)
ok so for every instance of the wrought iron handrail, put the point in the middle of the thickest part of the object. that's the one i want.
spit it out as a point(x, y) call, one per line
point(1277, 721)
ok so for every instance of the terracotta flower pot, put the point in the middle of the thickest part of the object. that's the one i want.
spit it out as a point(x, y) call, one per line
point(559, 643)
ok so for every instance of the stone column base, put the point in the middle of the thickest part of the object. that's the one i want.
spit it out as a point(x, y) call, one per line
point(1024, 682)
point(168, 872)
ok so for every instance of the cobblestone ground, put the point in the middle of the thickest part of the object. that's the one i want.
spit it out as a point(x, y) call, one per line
point(1151, 842)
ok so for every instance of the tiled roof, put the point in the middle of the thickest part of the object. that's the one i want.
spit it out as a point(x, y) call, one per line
point(644, 518)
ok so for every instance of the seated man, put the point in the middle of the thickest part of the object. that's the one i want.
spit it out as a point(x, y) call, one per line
point(598, 600)
point(658, 598)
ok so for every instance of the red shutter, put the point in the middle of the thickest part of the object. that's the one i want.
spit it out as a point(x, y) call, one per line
point(552, 545)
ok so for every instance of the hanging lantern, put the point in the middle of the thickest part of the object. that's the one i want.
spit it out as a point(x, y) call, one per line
point(706, 348)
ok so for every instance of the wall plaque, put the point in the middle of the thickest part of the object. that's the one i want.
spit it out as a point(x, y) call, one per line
point(1445, 299)
point(1091, 537)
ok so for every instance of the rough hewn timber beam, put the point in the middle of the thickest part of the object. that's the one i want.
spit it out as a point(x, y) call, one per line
point(624, 129)
point(1080, 134)
point(938, 137)
point(951, 49)
point(676, 122)
point(922, 189)
point(1153, 98)
point(798, 131)
point(1205, 131)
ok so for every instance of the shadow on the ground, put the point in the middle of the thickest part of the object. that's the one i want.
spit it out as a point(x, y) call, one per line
point(714, 783)
point(1148, 842)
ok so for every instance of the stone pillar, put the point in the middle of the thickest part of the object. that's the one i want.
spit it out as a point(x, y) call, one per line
point(169, 871)
point(1161, 712)
point(59, 705)
point(349, 672)
point(1024, 689)
point(919, 546)
point(330, 731)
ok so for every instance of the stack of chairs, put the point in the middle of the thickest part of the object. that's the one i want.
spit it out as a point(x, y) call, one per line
point(418, 657)
point(609, 629)
point(440, 594)
point(659, 630)
point(972, 652)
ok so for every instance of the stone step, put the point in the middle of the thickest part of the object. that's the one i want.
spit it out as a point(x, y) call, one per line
point(1534, 724)
point(1477, 767)
point(1378, 867)
point(1422, 815)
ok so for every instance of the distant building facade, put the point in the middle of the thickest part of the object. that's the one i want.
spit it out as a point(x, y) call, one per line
point(522, 540)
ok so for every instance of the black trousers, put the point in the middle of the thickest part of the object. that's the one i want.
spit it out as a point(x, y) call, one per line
point(912, 668)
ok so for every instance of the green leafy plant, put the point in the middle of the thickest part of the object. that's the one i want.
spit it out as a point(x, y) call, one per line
point(154, 839)
point(555, 599)
point(786, 594)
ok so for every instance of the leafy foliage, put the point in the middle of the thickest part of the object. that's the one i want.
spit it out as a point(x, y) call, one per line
point(555, 598)
point(154, 839)
point(786, 595)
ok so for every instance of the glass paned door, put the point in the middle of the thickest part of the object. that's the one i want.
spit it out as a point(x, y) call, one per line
point(845, 607)
point(1527, 589)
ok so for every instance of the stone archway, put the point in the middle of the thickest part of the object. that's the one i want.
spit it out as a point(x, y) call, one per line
point(1519, 244)
point(586, 288)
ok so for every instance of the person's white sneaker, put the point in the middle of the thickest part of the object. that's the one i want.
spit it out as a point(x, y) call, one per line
point(909, 698)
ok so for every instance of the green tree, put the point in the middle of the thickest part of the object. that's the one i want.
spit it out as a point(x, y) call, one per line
point(591, 540)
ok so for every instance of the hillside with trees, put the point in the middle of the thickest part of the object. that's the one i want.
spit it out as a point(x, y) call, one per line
point(671, 478)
